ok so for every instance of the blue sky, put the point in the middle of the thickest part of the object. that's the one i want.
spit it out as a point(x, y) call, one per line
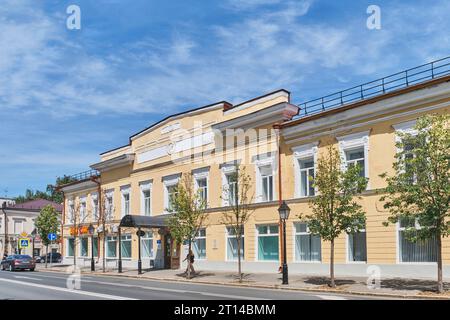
point(68, 95)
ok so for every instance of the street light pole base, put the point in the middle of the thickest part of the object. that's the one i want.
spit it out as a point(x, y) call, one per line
point(285, 274)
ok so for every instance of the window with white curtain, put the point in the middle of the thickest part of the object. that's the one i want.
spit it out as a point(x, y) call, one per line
point(306, 167)
point(357, 246)
point(146, 194)
point(125, 243)
point(266, 183)
point(356, 157)
point(420, 251)
point(95, 213)
point(232, 244)
point(147, 245)
point(199, 245)
point(83, 209)
point(202, 187)
point(125, 200)
point(232, 188)
point(307, 246)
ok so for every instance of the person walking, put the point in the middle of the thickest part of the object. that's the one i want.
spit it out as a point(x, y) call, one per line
point(190, 257)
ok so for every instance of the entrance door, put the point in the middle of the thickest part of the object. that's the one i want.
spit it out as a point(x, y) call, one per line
point(167, 251)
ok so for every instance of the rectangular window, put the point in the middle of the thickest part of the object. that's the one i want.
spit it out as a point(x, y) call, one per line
point(146, 196)
point(267, 187)
point(268, 243)
point(307, 246)
point(126, 246)
point(95, 246)
point(109, 206)
point(306, 177)
point(232, 188)
point(356, 157)
point(70, 247)
point(18, 226)
point(126, 204)
point(420, 251)
point(84, 247)
point(147, 245)
point(83, 210)
point(202, 187)
point(95, 208)
point(357, 247)
point(111, 247)
point(199, 245)
point(171, 196)
point(232, 245)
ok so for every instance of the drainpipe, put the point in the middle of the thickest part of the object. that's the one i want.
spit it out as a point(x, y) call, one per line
point(63, 220)
point(99, 201)
point(277, 128)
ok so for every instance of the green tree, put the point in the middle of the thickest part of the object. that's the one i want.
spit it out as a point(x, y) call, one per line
point(238, 196)
point(419, 190)
point(334, 209)
point(51, 193)
point(188, 208)
point(47, 222)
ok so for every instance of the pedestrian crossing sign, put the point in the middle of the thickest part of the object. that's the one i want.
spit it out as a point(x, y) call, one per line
point(24, 243)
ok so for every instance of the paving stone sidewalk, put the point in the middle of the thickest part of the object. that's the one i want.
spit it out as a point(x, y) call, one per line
point(402, 288)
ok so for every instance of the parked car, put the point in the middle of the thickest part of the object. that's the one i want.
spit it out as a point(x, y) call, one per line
point(18, 262)
point(51, 258)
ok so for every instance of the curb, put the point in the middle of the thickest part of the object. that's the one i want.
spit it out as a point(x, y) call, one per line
point(262, 286)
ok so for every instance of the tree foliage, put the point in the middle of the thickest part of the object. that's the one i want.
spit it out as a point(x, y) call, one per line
point(334, 209)
point(47, 222)
point(50, 194)
point(418, 193)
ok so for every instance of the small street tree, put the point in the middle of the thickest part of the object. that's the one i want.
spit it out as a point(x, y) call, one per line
point(238, 196)
point(78, 216)
point(188, 208)
point(46, 223)
point(104, 217)
point(334, 209)
point(419, 190)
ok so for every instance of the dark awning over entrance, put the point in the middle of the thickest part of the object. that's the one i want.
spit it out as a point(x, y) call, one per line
point(136, 221)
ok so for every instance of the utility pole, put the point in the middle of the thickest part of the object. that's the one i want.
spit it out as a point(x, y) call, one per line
point(5, 248)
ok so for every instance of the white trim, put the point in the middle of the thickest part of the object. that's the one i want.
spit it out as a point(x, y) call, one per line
point(226, 169)
point(353, 141)
point(406, 127)
point(261, 162)
point(226, 244)
point(268, 235)
point(347, 249)
point(294, 234)
point(200, 174)
point(280, 93)
point(145, 186)
point(303, 152)
point(125, 190)
point(169, 181)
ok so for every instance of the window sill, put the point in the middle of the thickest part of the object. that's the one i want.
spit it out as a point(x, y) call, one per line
point(308, 262)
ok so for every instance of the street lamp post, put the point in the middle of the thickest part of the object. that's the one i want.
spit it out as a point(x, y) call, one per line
point(91, 232)
point(284, 211)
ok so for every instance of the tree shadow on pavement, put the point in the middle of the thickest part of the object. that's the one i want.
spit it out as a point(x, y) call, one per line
point(320, 281)
point(412, 284)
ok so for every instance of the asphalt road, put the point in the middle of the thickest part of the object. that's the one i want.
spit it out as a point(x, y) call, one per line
point(39, 285)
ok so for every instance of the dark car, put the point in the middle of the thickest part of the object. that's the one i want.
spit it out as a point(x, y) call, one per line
point(51, 258)
point(18, 262)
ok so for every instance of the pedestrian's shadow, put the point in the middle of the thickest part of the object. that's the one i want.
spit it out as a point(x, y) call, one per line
point(320, 281)
point(197, 274)
point(412, 284)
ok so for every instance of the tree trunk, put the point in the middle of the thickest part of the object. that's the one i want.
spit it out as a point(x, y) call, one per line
point(189, 260)
point(239, 238)
point(104, 250)
point(440, 284)
point(74, 251)
point(332, 283)
point(46, 255)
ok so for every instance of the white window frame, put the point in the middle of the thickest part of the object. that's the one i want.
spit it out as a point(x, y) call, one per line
point(202, 174)
point(125, 191)
point(404, 127)
point(21, 221)
point(261, 163)
point(95, 206)
point(109, 207)
point(83, 209)
point(227, 236)
point(67, 247)
point(227, 170)
point(295, 233)
point(351, 142)
point(80, 253)
point(399, 261)
point(169, 181)
point(108, 240)
point(302, 153)
point(144, 187)
point(71, 211)
point(347, 249)
point(202, 238)
point(152, 251)
point(257, 234)
point(125, 238)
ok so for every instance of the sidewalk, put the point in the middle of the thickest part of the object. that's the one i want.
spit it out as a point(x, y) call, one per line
point(392, 287)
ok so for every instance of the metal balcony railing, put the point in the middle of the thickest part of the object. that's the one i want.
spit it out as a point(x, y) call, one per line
point(396, 81)
point(85, 175)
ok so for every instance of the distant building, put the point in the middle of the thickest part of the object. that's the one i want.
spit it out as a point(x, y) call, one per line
point(20, 219)
point(8, 201)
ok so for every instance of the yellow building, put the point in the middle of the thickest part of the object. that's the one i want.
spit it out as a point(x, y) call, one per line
point(278, 143)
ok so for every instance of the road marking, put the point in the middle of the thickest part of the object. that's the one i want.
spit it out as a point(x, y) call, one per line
point(24, 277)
point(86, 293)
point(326, 297)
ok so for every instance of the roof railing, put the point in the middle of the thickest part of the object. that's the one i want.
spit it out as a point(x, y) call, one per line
point(396, 81)
point(85, 175)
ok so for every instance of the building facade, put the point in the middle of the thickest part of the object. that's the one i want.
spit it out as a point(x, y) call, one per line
point(277, 143)
point(20, 223)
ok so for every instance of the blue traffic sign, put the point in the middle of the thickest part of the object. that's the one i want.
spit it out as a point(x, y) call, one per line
point(51, 236)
